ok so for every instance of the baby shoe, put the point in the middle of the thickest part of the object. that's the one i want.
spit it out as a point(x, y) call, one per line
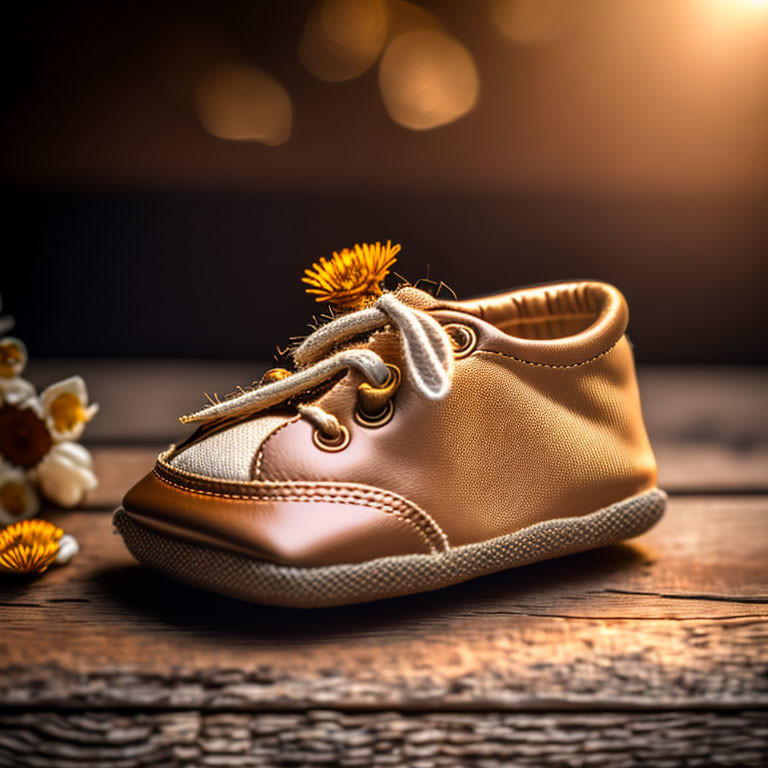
point(417, 442)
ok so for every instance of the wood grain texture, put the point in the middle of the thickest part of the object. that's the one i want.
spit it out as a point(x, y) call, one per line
point(708, 427)
point(677, 618)
point(118, 468)
point(421, 740)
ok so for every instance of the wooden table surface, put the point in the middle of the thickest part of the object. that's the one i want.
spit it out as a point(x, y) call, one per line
point(652, 653)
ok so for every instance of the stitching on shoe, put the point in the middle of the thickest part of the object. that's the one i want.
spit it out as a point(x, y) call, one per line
point(351, 499)
point(550, 365)
point(257, 464)
point(424, 525)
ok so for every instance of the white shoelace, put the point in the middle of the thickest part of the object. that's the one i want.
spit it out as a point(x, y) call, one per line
point(427, 353)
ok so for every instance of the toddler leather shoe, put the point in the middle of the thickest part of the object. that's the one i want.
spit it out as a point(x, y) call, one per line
point(417, 442)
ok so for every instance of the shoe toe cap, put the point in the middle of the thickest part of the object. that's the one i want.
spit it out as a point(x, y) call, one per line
point(288, 524)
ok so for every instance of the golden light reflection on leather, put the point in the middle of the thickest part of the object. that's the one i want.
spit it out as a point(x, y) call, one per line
point(275, 374)
point(543, 420)
point(331, 444)
point(463, 339)
point(374, 400)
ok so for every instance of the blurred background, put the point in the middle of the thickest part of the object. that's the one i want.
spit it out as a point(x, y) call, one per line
point(171, 168)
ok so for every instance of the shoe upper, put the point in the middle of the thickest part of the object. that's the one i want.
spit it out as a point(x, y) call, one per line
point(540, 419)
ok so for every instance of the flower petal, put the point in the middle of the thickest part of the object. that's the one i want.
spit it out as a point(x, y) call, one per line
point(29, 546)
point(66, 409)
point(68, 548)
point(74, 452)
point(15, 391)
point(63, 478)
point(18, 498)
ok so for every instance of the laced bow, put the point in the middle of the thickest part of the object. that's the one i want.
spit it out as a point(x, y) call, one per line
point(427, 353)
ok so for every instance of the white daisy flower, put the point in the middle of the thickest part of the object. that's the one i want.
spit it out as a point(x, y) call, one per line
point(18, 498)
point(68, 548)
point(15, 391)
point(66, 410)
point(66, 473)
point(13, 357)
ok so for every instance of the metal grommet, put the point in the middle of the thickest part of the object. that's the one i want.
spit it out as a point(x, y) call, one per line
point(377, 419)
point(374, 399)
point(331, 444)
point(393, 378)
point(463, 339)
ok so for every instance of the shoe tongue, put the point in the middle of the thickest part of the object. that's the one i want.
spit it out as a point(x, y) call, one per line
point(415, 298)
point(419, 299)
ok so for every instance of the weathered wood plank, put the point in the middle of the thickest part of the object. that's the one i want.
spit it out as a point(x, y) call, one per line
point(420, 740)
point(710, 467)
point(117, 469)
point(708, 426)
point(678, 618)
point(706, 404)
point(141, 400)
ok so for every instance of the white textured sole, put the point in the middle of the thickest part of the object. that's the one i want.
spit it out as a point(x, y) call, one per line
point(247, 578)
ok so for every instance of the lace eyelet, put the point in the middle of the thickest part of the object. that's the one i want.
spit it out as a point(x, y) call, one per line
point(372, 421)
point(374, 404)
point(393, 378)
point(332, 445)
point(463, 339)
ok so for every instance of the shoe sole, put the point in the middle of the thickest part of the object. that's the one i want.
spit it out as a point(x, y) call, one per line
point(248, 578)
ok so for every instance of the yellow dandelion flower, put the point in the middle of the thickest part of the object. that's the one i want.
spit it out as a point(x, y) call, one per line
point(351, 279)
point(29, 546)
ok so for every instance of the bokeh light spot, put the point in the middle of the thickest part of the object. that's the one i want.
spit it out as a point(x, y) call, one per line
point(245, 104)
point(527, 21)
point(427, 79)
point(343, 38)
point(407, 17)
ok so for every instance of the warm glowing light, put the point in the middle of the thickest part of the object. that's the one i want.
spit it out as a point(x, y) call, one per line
point(343, 38)
point(407, 17)
point(527, 21)
point(244, 103)
point(427, 79)
point(738, 7)
point(729, 23)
